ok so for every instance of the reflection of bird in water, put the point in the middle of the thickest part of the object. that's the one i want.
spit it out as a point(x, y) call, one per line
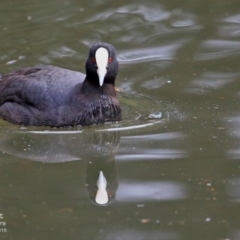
point(101, 145)
point(97, 149)
point(56, 97)
point(104, 190)
point(101, 149)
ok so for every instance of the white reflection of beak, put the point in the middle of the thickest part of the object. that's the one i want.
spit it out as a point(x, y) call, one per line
point(101, 196)
point(101, 57)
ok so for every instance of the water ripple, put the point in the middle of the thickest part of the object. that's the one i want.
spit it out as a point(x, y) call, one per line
point(210, 81)
point(150, 191)
point(215, 49)
point(166, 52)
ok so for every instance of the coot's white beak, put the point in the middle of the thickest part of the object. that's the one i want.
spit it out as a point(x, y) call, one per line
point(101, 57)
point(101, 196)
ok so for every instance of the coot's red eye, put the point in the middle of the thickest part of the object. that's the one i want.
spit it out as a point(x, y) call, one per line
point(93, 60)
point(110, 60)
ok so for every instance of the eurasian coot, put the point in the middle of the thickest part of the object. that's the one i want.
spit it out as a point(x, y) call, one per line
point(56, 97)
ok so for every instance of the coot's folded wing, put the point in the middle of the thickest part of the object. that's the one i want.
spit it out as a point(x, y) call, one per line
point(40, 86)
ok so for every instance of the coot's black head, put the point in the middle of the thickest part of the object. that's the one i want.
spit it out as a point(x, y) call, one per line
point(102, 64)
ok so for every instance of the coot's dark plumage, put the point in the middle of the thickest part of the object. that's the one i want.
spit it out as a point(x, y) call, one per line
point(56, 97)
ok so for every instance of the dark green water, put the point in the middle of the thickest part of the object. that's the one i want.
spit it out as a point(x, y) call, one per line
point(173, 164)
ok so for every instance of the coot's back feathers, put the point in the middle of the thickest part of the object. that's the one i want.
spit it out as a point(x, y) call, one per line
point(56, 97)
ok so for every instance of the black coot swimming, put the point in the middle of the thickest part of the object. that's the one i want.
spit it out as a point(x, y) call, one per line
point(56, 97)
